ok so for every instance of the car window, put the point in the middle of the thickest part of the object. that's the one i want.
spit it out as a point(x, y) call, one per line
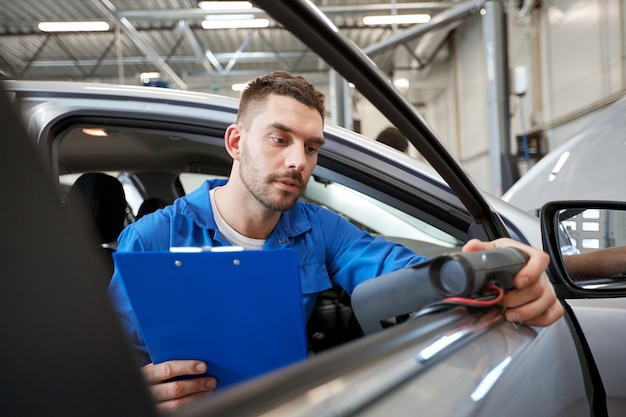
point(336, 185)
point(190, 181)
point(365, 212)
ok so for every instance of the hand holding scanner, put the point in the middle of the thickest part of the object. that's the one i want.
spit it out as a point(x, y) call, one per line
point(408, 290)
point(464, 274)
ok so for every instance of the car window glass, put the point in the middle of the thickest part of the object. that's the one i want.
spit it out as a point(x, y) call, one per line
point(592, 243)
point(376, 211)
point(191, 181)
point(363, 211)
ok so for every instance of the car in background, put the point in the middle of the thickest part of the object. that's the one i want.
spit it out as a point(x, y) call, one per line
point(64, 352)
point(588, 166)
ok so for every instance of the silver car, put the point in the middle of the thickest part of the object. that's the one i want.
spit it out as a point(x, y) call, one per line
point(64, 353)
point(588, 166)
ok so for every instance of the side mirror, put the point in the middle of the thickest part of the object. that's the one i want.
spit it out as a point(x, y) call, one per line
point(586, 241)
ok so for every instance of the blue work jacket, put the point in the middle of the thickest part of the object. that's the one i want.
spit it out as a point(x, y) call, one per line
point(329, 249)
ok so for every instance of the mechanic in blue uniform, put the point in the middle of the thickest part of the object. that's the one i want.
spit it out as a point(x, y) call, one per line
point(274, 145)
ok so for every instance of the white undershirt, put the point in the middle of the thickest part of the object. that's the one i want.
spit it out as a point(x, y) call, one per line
point(234, 237)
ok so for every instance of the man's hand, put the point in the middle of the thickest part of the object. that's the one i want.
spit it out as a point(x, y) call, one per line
point(533, 301)
point(171, 395)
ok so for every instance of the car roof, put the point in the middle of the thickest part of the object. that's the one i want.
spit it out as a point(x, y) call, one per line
point(202, 119)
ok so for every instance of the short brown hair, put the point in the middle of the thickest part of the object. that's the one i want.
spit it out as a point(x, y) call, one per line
point(280, 83)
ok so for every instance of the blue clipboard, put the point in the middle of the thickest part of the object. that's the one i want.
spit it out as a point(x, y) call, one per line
point(239, 311)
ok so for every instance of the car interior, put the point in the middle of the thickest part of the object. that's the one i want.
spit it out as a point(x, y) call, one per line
point(100, 197)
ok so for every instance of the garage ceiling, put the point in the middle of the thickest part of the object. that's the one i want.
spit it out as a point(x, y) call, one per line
point(166, 36)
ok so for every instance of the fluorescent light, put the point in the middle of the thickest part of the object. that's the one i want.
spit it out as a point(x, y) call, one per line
point(239, 86)
point(399, 19)
point(249, 16)
point(85, 26)
point(225, 5)
point(235, 24)
point(402, 84)
point(148, 77)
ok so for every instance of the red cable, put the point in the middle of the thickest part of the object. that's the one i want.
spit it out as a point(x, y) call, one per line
point(478, 303)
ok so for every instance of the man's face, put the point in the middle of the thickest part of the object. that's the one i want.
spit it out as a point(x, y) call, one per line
point(279, 151)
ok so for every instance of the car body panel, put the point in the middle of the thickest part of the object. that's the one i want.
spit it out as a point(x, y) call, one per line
point(478, 366)
point(588, 166)
point(603, 320)
point(490, 383)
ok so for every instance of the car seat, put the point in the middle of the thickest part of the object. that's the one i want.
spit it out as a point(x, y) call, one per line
point(100, 197)
point(150, 205)
point(332, 321)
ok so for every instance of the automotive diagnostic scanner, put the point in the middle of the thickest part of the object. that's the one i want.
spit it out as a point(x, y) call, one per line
point(450, 277)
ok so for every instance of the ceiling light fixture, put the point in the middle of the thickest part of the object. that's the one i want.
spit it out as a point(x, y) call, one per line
point(147, 76)
point(399, 19)
point(85, 26)
point(402, 84)
point(247, 16)
point(239, 86)
point(224, 5)
point(235, 23)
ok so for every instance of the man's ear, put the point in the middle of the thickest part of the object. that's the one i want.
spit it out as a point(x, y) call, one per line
point(232, 140)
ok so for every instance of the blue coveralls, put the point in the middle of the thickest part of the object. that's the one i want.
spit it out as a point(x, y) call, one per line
point(330, 250)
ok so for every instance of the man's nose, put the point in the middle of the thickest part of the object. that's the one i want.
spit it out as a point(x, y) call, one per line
point(296, 157)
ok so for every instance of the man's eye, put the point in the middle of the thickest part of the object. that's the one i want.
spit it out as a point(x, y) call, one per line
point(276, 139)
point(312, 149)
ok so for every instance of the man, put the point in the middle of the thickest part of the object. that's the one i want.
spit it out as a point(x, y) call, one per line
point(274, 145)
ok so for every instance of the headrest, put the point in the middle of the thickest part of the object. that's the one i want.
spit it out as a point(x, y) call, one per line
point(150, 205)
point(103, 197)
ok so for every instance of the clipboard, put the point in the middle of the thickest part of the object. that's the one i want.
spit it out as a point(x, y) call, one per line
point(239, 311)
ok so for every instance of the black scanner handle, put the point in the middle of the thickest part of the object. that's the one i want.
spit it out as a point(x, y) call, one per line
point(464, 274)
point(408, 290)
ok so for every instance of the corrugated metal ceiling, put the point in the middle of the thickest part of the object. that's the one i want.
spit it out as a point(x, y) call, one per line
point(165, 35)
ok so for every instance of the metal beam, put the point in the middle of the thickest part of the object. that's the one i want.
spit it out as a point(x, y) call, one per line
point(444, 18)
point(239, 51)
point(197, 49)
point(35, 55)
point(109, 11)
point(199, 14)
point(11, 72)
point(258, 57)
point(340, 100)
point(275, 51)
point(104, 53)
point(495, 38)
